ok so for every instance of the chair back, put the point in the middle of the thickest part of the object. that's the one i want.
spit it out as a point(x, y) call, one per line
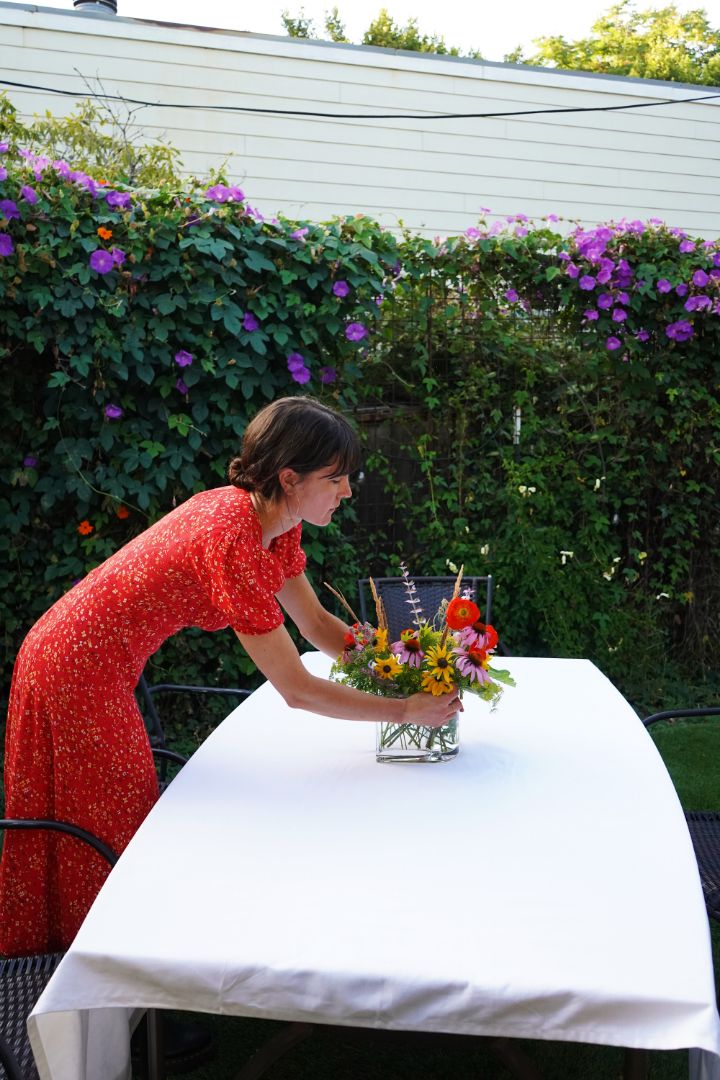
point(431, 591)
point(23, 978)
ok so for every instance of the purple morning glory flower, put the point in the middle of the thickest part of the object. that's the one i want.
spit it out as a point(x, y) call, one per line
point(642, 335)
point(472, 233)
point(716, 258)
point(355, 331)
point(511, 296)
point(300, 234)
point(603, 276)
point(3, 172)
point(28, 194)
point(301, 375)
point(341, 288)
point(183, 358)
point(553, 217)
point(700, 278)
point(295, 361)
point(663, 285)
point(623, 298)
point(613, 343)
point(8, 209)
point(591, 314)
point(250, 323)
point(118, 200)
point(619, 315)
point(587, 282)
point(4, 147)
point(101, 261)
point(118, 256)
point(62, 168)
point(520, 230)
point(6, 245)
point(328, 374)
point(681, 330)
point(181, 386)
point(113, 412)
point(681, 289)
point(30, 461)
point(701, 302)
point(604, 301)
point(572, 270)
point(686, 246)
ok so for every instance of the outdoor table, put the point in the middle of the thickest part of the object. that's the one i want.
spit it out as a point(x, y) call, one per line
point(540, 885)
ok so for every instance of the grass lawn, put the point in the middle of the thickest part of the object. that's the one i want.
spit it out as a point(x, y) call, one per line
point(691, 750)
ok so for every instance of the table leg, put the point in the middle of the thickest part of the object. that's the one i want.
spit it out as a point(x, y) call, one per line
point(636, 1064)
point(155, 1045)
point(273, 1049)
point(517, 1062)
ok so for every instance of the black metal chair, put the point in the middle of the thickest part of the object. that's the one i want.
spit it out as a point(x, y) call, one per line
point(147, 693)
point(431, 592)
point(23, 979)
point(704, 825)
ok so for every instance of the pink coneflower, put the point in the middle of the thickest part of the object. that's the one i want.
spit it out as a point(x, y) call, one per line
point(472, 663)
point(407, 649)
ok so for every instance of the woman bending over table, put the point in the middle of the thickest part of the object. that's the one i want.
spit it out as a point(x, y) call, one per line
point(76, 745)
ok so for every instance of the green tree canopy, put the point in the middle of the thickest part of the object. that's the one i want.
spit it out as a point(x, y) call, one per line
point(382, 31)
point(661, 43)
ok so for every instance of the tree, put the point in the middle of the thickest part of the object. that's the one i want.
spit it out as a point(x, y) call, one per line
point(301, 26)
point(651, 44)
point(384, 31)
point(97, 136)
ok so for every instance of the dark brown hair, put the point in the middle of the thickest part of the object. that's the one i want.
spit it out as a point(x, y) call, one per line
point(297, 433)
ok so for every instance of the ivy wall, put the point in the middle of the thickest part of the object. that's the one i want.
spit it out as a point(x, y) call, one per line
point(539, 406)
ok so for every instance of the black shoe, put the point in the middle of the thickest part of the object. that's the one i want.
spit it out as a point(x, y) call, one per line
point(187, 1045)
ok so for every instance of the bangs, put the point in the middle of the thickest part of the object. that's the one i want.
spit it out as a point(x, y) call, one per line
point(347, 458)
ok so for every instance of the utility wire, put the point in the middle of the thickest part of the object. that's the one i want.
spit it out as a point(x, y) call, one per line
point(362, 116)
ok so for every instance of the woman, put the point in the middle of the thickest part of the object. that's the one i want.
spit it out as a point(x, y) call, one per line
point(76, 745)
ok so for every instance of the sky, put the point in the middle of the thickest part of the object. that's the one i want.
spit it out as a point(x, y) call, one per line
point(495, 29)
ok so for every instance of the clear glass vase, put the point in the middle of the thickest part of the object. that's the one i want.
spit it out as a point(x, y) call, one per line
point(408, 742)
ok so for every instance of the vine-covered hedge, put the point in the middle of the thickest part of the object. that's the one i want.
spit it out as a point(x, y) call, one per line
point(540, 407)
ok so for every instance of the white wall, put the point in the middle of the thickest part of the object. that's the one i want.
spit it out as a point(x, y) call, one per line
point(431, 175)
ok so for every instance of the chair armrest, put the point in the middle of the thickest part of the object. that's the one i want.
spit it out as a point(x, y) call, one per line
point(178, 687)
point(169, 755)
point(671, 714)
point(64, 827)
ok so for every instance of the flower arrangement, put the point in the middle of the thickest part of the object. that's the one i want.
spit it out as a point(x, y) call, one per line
point(450, 652)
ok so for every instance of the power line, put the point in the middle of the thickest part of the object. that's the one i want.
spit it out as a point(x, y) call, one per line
point(361, 116)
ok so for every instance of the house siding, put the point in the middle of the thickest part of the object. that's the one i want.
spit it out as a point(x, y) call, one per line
point(431, 176)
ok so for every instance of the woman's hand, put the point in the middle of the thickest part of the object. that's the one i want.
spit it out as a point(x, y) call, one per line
point(426, 710)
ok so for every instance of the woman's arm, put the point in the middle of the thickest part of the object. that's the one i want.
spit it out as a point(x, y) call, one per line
point(278, 659)
point(315, 623)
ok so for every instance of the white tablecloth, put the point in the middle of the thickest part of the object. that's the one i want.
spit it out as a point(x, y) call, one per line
point(540, 885)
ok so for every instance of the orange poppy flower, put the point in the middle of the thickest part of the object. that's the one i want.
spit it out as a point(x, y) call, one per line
point(103, 233)
point(85, 528)
point(122, 512)
point(461, 613)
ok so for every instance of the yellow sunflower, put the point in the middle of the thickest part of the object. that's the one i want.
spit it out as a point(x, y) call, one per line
point(387, 667)
point(439, 663)
point(434, 686)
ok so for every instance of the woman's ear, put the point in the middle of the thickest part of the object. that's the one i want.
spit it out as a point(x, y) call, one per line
point(288, 479)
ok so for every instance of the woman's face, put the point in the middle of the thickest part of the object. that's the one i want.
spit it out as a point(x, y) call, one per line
point(318, 494)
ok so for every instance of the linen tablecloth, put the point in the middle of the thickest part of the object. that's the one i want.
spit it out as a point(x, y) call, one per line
point(541, 885)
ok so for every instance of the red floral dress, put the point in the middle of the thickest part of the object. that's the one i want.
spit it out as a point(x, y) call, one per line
point(76, 745)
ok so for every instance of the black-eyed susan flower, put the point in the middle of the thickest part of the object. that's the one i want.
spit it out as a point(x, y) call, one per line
point(439, 662)
point(387, 667)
